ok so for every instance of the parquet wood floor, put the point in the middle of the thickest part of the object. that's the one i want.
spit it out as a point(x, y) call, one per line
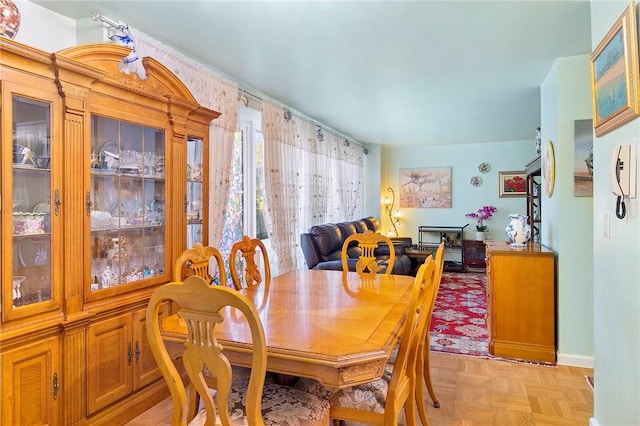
point(476, 391)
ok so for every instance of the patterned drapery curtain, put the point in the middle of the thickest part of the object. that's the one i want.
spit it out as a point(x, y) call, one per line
point(308, 181)
point(212, 91)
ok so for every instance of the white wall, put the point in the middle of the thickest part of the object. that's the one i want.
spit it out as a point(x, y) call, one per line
point(46, 30)
point(567, 221)
point(616, 269)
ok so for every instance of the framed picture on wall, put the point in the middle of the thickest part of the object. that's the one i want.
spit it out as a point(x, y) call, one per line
point(512, 184)
point(425, 188)
point(583, 158)
point(615, 75)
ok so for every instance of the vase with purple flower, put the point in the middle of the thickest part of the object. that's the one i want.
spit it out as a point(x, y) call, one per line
point(482, 214)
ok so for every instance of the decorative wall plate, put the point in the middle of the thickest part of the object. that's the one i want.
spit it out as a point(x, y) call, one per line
point(484, 167)
point(475, 181)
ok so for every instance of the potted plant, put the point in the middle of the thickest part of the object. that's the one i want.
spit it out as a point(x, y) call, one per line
point(483, 213)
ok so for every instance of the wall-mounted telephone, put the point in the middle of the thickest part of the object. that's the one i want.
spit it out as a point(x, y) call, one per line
point(623, 175)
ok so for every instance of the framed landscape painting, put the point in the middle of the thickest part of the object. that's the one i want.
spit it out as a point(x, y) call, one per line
point(512, 184)
point(615, 75)
point(425, 188)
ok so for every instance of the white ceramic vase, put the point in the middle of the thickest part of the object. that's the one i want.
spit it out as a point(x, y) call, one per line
point(481, 235)
point(518, 230)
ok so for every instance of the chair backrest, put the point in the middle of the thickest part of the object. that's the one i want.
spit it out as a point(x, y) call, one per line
point(252, 276)
point(403, 379)
point(202, 307)
point(197, 261)
point(439, 267)
point(367, 265)
point(437, 277)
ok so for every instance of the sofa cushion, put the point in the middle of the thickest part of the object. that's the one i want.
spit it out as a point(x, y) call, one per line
point(336, 265)
point(309, 250)
point(347, 229)
point(361, 226)
point(328, 238)
point(383, 249)
point(372, 223)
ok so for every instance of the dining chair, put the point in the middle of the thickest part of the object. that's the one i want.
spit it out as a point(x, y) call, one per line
point(423, 367)
point(197, 260)
point(234, 402)
point(367, 242)
point(380, 402)
point(247, 247)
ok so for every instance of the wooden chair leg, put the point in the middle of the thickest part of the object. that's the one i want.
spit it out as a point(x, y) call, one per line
point(194, 402)
point(427, 373)
point(419, 391)
point(410, 403)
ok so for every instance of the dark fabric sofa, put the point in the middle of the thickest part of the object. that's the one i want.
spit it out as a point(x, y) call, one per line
point(322, 246)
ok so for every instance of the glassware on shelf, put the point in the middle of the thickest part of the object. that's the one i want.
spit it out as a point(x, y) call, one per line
point(194, 190)
point(17, 283)
point(131, 162)
point(127, 201)
point(108, 278)
point(135, 263)
point(31, 230)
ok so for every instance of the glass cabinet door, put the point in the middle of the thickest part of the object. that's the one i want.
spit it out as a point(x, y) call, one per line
point(127, 202)
point(31, 198)
point(195, 192)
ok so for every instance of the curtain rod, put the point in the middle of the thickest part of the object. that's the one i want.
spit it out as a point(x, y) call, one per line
point(317, 123)
point(110, 22)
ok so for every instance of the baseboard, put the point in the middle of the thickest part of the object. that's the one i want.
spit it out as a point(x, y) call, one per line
point(575, 360)
point(593, 422)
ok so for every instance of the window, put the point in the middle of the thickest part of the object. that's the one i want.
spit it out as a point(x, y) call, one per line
point(246, 203)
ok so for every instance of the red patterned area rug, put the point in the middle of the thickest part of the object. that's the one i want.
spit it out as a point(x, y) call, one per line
point(458, 322)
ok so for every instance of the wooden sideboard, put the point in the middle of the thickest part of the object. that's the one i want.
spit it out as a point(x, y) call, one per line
point(521, 301)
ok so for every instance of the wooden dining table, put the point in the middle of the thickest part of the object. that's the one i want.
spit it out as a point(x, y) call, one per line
point(331, 326)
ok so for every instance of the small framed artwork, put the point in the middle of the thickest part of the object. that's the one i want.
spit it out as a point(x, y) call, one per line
point(512, 184)
point(615, 75)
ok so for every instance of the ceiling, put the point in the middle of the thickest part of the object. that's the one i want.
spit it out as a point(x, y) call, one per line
point(383, 72)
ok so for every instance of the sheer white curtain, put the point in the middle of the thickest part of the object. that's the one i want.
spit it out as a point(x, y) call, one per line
point(212, 91)
point(308, 181)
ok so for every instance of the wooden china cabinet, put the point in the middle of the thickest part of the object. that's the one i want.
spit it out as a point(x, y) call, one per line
point(95, 203)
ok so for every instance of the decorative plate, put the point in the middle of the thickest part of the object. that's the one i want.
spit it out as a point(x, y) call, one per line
point(475, 181)
point(484, 167)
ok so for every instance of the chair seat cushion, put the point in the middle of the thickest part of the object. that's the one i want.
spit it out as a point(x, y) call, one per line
point(281, 405)
point(238, 374)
